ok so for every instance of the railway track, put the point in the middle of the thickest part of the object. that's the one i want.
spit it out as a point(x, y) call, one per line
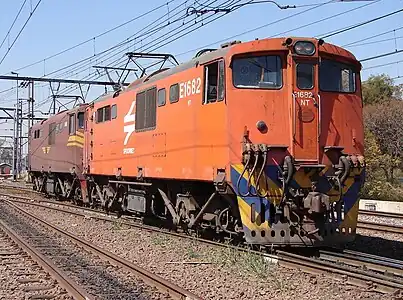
point(354, 270)
point(101, 274)
point(30, 270)
point(361, 224)
point(380, 227)
point(381, 214)
point(369, 273)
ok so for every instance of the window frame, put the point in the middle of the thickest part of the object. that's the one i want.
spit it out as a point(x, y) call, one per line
point(78, 120)
point(52, 133)
point(352, 67)
point(220, 67)
point(158, 97)
point(278, 55)
point(114, 107)
point(313, 75)
point(170, 88)
point(71, 117)
point(103, 110)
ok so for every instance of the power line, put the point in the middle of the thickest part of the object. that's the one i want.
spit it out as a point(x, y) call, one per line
point(383, 65)
point(363, 23)
point(326, 18)
point(282, 19)
point(382, 55)
point(12, 25)
point(19, 33)
point(377, 41)
point(95, 37)
point(372, 36)
point(150, 31)
point(254, 29)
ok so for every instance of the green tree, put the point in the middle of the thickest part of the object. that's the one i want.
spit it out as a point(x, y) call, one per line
point(379, 89)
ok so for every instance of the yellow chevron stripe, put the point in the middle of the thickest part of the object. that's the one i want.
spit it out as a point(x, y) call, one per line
point(245, 212)
point(81, 134)
point(75, 138)
point(72, 144)
point(275, 192)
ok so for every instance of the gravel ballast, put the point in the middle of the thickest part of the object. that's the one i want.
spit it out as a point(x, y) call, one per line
point(208, 271)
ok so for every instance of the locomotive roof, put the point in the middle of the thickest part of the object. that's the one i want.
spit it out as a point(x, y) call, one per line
point(221, 52)
point(207, 57)
point(58, 117)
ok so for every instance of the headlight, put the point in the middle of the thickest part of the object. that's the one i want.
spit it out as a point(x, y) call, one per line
point(304, 48)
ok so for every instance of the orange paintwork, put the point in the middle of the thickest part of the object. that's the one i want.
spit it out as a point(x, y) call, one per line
point(192, 140)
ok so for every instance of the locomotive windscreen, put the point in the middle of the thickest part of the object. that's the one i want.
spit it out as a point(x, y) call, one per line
point(258, 72)
point(336, 77)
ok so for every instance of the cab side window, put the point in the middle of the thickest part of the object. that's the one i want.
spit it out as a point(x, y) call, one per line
point(52, 134)
point(104, 114)
point(72, 124)
point(214, 79)
point(80, 118)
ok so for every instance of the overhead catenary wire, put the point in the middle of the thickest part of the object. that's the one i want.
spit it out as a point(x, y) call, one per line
point(19, 33)
point(95, 37)
point(13, 23)
point(372, 36)
point(319, 5)
point(147, 27)
point(376, 42)
point(362, 23)
point(383, 65)
point(381, 55)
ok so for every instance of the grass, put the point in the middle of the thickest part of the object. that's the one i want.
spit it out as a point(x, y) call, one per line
point(245, 261)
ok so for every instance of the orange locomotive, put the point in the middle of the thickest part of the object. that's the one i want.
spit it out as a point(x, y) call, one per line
point(261, 140)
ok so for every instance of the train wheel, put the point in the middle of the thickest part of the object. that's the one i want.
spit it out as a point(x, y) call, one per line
point(78, 197)
point(183, 214)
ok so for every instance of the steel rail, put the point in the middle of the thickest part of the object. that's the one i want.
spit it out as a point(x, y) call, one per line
point(160, 283)
point(360, 225)
point(282, 258)
point(129, 222)
point(362, 260)
point(380, 227)
point(64, 281)
point(380, 214)
point(352, 275)
point(361, 211)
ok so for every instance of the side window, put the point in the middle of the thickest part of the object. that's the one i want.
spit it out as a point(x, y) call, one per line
point(114, 111)
point(161, 97)
point(107, 113)
point(72, 124)
point(146, 110)
point(104, 114)
point(214, 79)
point(174, 93)
point(100, 115)
point(80, 118)
point(37, 134)
point(305, 79)
point(52, 133)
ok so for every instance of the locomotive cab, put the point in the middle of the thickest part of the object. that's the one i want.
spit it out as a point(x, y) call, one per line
point(296, 106)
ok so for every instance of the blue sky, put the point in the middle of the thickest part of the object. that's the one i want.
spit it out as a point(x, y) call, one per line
point(57, 25)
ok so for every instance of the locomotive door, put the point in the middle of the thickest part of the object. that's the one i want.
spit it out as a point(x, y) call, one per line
point(306, 111)
point(89, 132)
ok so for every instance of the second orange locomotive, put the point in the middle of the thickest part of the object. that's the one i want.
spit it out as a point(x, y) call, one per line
point(261, 140)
